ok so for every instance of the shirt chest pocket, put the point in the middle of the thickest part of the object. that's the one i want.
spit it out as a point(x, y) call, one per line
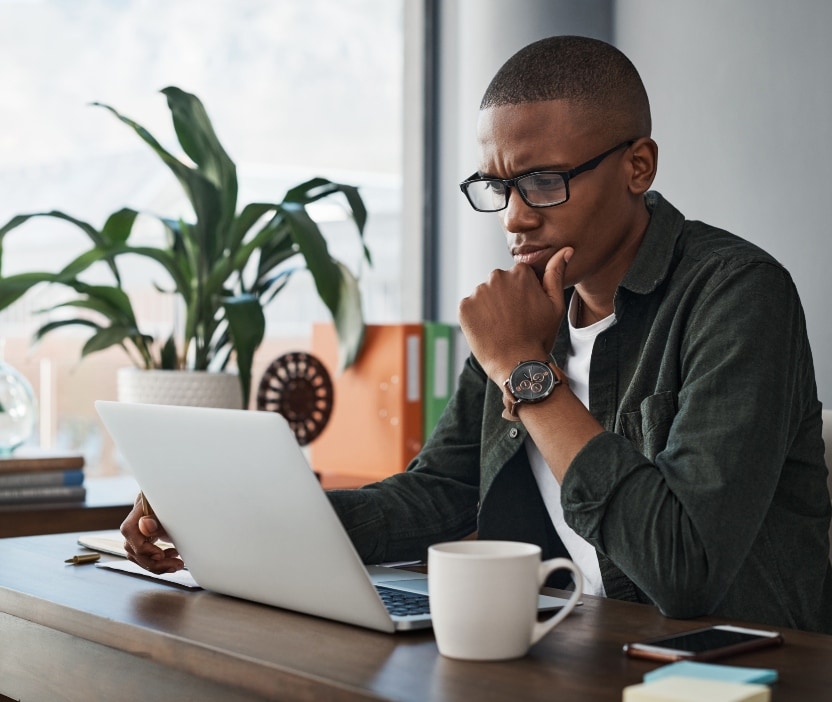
point(648, 427)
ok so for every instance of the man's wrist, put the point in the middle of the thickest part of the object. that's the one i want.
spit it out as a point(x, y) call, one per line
point(532, 382)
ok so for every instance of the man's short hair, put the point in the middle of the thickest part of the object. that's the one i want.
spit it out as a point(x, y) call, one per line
point(594, 75)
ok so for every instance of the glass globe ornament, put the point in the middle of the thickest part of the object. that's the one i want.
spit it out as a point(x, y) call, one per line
point(18, 411)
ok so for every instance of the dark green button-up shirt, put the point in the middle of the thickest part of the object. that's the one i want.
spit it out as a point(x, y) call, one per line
point(707, 492)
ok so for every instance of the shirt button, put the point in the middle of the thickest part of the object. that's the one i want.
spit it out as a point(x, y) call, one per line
point(513, 432)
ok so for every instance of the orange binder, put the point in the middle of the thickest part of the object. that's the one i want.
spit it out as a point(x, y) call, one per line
point(376, 423)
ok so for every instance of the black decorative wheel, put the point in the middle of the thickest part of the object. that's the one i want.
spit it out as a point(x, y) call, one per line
point(298, 386)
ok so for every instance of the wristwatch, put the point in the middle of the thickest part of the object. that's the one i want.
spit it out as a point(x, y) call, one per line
point(531, 381)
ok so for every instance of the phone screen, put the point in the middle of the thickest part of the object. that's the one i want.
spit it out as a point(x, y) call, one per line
point(704, 644)
point(705, 640)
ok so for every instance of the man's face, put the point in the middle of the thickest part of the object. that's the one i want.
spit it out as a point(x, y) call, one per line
point(596, 220)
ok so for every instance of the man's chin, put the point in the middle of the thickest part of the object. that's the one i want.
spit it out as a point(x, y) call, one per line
point(539, 270)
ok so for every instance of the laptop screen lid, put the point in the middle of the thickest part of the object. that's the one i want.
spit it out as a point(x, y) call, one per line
point(244, 509)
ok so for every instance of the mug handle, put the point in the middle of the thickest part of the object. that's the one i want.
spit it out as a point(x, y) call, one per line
point(542, 628)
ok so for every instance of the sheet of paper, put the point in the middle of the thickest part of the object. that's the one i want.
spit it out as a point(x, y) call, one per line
point(110, 541)
point(181, 577)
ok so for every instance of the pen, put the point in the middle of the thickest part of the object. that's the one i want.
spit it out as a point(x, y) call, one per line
point(145, 505)
point(83, 558)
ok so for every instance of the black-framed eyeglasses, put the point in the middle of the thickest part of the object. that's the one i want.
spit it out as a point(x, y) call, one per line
point(538, 189)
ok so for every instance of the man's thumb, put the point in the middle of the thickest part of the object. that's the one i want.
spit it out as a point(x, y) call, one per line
point(148, 526)
point(553, 276)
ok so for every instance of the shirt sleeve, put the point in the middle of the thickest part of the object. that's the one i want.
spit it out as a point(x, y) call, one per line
point(438, 496)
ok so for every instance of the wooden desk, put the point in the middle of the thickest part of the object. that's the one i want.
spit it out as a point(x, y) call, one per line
point(107, 504)
point(81, 633)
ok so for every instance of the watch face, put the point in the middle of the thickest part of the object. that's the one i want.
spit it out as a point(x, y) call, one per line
point(532, 381)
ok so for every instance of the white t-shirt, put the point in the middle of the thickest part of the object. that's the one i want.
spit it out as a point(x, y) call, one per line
point(577, 370)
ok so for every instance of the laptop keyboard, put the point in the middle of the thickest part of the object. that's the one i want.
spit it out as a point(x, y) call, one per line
point(403, 604)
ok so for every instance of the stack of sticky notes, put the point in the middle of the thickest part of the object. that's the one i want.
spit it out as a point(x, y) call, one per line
point(689, 681)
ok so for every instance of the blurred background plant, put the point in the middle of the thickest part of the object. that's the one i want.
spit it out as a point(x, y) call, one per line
point(224, 266)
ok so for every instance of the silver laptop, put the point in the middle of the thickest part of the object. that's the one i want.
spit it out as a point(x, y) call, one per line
point(248, 515)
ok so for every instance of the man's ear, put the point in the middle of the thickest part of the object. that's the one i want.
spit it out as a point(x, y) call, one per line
point(644, 157)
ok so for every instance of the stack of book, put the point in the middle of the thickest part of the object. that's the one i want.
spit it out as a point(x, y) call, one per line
point(31, 475)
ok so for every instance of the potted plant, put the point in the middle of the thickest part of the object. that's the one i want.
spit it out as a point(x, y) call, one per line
point(224, 265)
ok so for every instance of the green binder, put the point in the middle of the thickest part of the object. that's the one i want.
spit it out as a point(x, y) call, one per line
point(439, 371)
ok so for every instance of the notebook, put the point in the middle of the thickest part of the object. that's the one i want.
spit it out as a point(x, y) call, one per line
point(248, 516)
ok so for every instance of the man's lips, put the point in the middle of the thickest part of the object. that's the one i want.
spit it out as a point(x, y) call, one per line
point(532, 255)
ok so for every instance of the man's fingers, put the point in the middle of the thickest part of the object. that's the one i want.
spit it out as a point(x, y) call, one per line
point(555, 273)
point(152, 558)
point(141, 533)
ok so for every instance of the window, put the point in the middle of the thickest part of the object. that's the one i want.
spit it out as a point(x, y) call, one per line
point(295, 89)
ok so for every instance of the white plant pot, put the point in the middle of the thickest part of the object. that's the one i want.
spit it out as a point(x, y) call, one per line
point(180, 387)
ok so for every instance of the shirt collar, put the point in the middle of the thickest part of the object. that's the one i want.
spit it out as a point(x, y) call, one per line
point(655, 254)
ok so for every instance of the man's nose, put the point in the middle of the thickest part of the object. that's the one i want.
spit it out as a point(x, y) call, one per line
point(518, 216)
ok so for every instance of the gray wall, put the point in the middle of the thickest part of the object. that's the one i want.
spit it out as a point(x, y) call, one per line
point(741, 96)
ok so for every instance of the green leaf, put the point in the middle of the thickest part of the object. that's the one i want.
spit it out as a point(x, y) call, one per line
point(246, 328)
point(93, 234)
point(93, 305)
point(267, 289)
point(359, 213)
point(318, 188)
point(169, 357)
point(99, 240)
point(312, 245)
point(251, 214)
point(349, 323)
point(118, 226)
point(13, 287)
point(175, 266)
point(107, 337)
point(87, 228)
point(199, 141)
point(110, 301)
point(51, 326)
point(74, 268)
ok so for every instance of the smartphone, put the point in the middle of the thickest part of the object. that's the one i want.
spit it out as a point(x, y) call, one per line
point(704, 644)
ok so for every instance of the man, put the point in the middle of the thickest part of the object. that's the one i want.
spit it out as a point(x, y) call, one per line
point(641, 392)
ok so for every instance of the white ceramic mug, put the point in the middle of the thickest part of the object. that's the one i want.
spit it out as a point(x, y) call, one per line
point(484, 597)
